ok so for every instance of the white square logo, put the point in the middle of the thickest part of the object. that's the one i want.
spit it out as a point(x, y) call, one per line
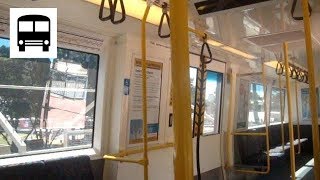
point(33, 32)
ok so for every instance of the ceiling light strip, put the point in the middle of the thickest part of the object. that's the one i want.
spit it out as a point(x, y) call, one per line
point(134, 8)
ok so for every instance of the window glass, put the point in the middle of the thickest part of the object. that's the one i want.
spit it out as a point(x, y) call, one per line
point(41, 26)
point(275, 110)
point(212, 103)
point(26, 26)
point(212, 100)
point(256, 105)
point(193, 82)
point(48, 103)
point(305, 103)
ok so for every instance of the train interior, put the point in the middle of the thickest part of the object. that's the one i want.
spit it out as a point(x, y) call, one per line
point(162, 90)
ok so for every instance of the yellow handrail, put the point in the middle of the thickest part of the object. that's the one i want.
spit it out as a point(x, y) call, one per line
point(266, 134)
point(312, 87)
point(120, 159)
point(137, 151)
point(298, 119)
point(281, 112)
point(144, 90)
point(183, 159)
point(291, 136)
point(145, 160)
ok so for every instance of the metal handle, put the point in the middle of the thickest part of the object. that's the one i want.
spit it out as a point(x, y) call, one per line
point(123, 12)
point(112, 7)
point(293, 7)
point(164, 15)
point(202, 57)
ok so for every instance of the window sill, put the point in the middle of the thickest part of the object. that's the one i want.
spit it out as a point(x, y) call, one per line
point(48, 156)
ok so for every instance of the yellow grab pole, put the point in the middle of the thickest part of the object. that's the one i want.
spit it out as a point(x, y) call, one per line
point(144, 91)
point(312, 86)
point(264, 81)
point(291, 137)
point(183, 160)
point(298, 118)
point(281, 113)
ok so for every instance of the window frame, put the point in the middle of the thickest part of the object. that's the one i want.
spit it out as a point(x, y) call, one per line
point(94, 150)
point(217, 67)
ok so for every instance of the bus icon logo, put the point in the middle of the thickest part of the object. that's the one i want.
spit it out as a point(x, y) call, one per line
point(33, 30)
point(33, 33)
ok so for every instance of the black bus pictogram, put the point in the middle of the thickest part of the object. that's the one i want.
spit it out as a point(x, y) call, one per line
point(33, 30)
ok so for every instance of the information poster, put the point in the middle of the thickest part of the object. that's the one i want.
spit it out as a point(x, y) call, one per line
point(243, 108)
point(154, 78)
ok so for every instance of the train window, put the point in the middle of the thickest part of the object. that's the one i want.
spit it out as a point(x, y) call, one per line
point(47, 104)
point(256, 106)
point(306, 114)
point(212, 100)
point(275, 114)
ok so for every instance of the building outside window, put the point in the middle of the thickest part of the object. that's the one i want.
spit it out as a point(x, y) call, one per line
point(48, 103)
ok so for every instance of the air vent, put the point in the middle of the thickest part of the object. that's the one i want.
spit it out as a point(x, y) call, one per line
point(210, 6)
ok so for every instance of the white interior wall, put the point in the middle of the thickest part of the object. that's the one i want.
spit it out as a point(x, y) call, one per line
point(161, 161)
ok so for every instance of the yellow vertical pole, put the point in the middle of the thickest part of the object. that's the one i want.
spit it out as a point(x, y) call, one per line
point(281, 112)
point(183, 160)
point(232, 103)
point(266, 121)
point(298, 118)
point(144, 91)
point(291, 137)
point(312, 86)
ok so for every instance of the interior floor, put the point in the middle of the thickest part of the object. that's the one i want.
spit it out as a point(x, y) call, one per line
point(280, 169)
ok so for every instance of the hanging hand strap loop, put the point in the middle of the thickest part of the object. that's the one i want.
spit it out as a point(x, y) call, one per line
point(205, 45)
point(112, 7)
point(293, 7)
point(101, 11)
point(279, 68)
point(123, 12)
point(164, 15)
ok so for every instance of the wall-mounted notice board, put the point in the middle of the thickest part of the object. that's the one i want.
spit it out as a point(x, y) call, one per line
point(154, 81)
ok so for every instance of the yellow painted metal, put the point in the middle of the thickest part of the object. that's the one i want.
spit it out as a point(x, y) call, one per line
point(291, 136)
point(298, 118)
point(266, 134)
point(144, 91)
point(312, 87)
point(183, 159)
point(197, 32)
point(120, 159)
point(248, 134)
point(138, 151)
point(281, 112)
point(232, 102)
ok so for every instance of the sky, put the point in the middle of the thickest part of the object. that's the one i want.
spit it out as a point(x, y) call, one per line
point(4, 42)
point(212, 79)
